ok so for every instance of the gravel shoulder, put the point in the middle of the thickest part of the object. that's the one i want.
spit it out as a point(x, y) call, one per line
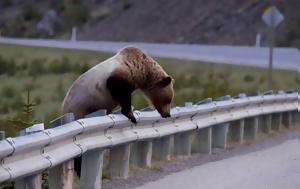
point(268, 153)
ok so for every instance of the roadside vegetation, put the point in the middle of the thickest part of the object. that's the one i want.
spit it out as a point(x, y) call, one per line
point(50, 72)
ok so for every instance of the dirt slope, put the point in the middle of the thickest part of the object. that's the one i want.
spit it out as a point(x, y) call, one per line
point(176, 21)
point(193, 21)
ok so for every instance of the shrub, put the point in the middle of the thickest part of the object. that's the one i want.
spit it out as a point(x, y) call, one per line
point(4, 107)
point(210, 86)
point(223, 75)
point(80, 68)
point(31, 12)
point(7, 67)
point(53, 114)
point(75, 13)
point(76, 68)
point(10, 130)
point(248, 78)
point(6, 3)
point(291, 36)
point(8, 91)
point(3, 65)
point(22, 119)
point(262, 79)
point(85, 67)
point(194, 81)
point(7, 185)
point(14, 27)
point(126, 4)
point(36, 67)
point(53, 66)
point(26, 118)
point(59, 92)
point(59, 67)
point(24, 65)
point(11, 68)
point(180, 81)
point(297, 80)
point(17, 103)
point(38, 100)
point(65, 66)
point(214, 87)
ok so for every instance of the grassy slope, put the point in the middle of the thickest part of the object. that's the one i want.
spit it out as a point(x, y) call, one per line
point(194, 81)
point(45, 86)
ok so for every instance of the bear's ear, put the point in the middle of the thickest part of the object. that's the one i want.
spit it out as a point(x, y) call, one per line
point(165, 81)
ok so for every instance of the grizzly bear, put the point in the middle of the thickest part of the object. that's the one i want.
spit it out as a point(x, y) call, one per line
point(111, 83)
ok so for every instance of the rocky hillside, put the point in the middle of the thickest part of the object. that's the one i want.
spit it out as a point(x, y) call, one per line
point(176, 21)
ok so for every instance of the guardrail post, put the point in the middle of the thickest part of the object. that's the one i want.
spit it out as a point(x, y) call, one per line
point(142, 153)
point(277, 121)
point(62, 176)
point(2, 135)
point(92, 163)
point(287, 119)
point(32, 181)
point(220, 135)
point(297, 114)
point(162, 148)
point(237, 128)
point(203, 141)
point(295, 118)
point(251, 128)
point(91, 169)
point(236, 131)
point(266, 123)
point(183, 144)
point(119, 161)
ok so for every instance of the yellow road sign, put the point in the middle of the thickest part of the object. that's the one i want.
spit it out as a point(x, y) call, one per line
point(272, 16)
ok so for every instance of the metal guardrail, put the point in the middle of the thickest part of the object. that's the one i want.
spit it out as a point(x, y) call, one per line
point(24, 156)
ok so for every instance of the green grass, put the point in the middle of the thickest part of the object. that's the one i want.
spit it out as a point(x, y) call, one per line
point(196, 80)
point(193, 80)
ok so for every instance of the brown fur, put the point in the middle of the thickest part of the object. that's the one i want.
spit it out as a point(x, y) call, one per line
point(144, 72)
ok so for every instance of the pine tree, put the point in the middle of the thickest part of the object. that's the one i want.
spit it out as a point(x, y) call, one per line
point(28, 109)
point(27, 117)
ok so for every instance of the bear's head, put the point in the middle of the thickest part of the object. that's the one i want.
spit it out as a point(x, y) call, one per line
point(161, 95)
point(149, 76)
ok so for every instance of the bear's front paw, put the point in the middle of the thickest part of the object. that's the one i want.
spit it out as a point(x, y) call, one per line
point(133, 120)
point(130, 116)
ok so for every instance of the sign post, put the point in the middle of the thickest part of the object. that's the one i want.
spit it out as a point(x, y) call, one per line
point(272, 17)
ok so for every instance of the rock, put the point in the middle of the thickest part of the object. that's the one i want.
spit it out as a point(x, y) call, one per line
point(50, 22)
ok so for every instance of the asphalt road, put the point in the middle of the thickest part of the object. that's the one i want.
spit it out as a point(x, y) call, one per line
point(284, 58)
point(270, 162)
point(275, 168)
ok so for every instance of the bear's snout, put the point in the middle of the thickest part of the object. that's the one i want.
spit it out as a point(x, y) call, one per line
point(165, 115)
